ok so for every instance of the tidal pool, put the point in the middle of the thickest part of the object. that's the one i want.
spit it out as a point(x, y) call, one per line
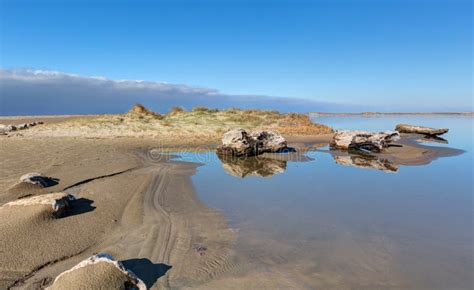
point(314, 223)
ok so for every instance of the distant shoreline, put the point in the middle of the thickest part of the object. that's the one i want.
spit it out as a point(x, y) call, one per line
point(368, 114)
point(374, 114)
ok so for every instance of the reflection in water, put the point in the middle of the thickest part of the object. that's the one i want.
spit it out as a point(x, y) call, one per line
point(365, 161)
point(434, 139)
point(321, 226)
point(252, 166)
point(265, 165)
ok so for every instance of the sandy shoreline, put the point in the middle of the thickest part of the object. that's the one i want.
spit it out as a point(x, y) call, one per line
point(147, 216)
point(135, 205)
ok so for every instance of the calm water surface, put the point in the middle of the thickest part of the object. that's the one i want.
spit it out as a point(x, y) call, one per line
point(322, 225)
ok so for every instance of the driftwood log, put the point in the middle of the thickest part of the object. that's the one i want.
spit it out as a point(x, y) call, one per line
point(237, 142)
point(405, 128)
point(4, 129)
point(363, 140)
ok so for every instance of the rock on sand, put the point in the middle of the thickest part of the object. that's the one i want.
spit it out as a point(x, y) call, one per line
point(37, 179)
point(32, 234)
point(98, 272)
point(59, 202)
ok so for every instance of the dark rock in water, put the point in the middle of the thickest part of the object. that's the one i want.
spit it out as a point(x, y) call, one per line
point(237, 142)
point(405, 128)
point(38, 179)
point(363, 140)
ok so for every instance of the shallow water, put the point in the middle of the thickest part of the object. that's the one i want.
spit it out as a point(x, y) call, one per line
point(318, 224)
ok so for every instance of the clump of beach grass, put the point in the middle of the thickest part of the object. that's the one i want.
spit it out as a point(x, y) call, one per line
point(141, 112)
point(176, 110)
point(201, 109)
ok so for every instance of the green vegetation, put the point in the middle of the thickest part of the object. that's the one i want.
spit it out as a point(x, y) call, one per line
point(204, 110)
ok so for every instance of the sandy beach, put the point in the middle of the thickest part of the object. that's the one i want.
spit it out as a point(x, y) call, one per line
point(136, 207)
point(132, 202)
point(236, 145)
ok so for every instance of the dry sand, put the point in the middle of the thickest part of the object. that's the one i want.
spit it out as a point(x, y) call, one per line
point(134, 204)
point(141, 210)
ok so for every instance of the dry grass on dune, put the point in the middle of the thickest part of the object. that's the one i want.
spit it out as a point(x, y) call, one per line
point(141, 112)
point(199, 123)
point(298, 124)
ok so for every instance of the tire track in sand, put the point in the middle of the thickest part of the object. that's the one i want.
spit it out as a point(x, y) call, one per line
point(173, 222)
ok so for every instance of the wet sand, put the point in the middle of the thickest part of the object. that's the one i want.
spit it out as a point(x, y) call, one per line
point(134, 204)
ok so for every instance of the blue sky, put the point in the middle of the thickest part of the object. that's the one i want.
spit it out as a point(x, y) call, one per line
point(387, 54)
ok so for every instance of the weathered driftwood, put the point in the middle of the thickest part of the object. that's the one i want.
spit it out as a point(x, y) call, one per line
point(362, 140)
point(268, 141)
point(405, 128)
point(237, 142)
point(4, 129)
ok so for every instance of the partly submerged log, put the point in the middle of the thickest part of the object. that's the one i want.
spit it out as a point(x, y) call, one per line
point(363, 140)
point(405, 128)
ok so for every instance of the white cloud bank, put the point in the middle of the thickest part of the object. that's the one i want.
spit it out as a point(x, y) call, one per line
point(39, 92)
